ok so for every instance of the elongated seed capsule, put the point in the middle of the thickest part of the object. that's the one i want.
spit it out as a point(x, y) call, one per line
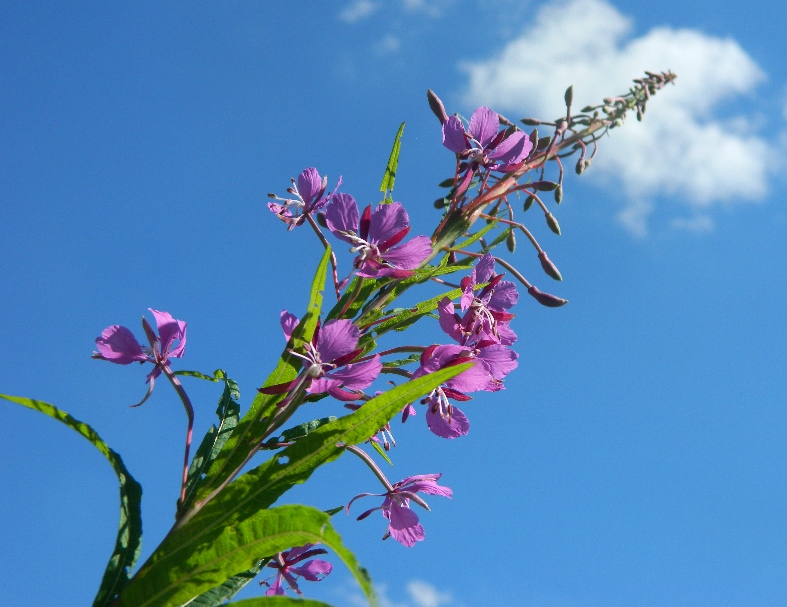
point(552, 223)
point(511, 241)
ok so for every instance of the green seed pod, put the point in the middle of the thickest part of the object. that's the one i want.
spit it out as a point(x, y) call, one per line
point(552, 223)
point(511, 241)
point(559, 194)
point(529, 202)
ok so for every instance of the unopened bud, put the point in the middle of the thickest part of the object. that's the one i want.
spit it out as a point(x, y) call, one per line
point(530, 122)
point(439, 203)
point(588, 108)
point(271, 195)
point(569, 96)
point(580, 166)
point(320, 217)
point(559, 194)
point(436, 106)
point(446, 183)
point(552, 223)
point(529, 202)
point(548, 266)
point(545, 299)
point(533, 137)
point(543, 186)
point(511, 241)
point(543, 143)
point(587, 162)
point(561, 126)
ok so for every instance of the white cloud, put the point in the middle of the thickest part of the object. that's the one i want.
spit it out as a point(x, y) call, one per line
point(681, 148)
point(358, 10)
point(433, 8)
point(426, 595)
point(388, 44)
point(697, 223)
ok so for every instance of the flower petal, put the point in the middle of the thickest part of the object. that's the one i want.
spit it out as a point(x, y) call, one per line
point(309, 185)
point(513, 149)
point(504, 296)
point(452, 426)
point(448, 319)
point(359, 375)
point(288, 323)
point(454, 135)
point(387, 221)
point(169, 330)
point(118, 345)
point(314, 570)
point(404, 526)
point(500, 360)
point(484, 125)
point(342, 216)
point(336, 338)
point(409, 255)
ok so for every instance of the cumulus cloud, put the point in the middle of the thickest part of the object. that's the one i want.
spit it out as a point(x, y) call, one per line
point(425, 595)
point(682, 149)
point(358, 10)
point(432, 8)
point(388, 44)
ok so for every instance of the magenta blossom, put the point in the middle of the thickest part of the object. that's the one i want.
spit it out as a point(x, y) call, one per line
point(118, 345)
point(486, 316)
point(327, 361)
point(403, 523)
point(375, 236)
point(310, 198)
point(443, 418)
point(284, 562)
point(484, 146)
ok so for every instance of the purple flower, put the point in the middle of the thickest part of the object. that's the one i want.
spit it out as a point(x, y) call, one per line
point(484, 145)
point(284, 562)
point(327, 361)
point(375, 236)
point(443, 418)
point(309, 190)
point(403, 523)
point(485, 315)
point(118, 345)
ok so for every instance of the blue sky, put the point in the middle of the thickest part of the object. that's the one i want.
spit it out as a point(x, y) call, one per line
point(638, 455)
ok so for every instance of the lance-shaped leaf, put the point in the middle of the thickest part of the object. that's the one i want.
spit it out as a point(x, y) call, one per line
point(129, 536)
point(249, 431)
point(218, 596)
point(228, 412)
point(248, 495)
point(178, 573)
point(393, 162)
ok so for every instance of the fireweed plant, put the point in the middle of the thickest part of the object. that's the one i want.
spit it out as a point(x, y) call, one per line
point(227, 529)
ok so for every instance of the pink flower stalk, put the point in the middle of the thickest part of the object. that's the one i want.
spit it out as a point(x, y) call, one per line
point(284, 562)
point(403, 523)
point(310, 198)
point(118, 345)
point(375, 236)
point(327, 361)
point(484, 145)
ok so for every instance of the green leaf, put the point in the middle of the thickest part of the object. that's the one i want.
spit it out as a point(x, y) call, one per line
point(228, 412)
point(129, 536)
point(474, 237)
point(249, 495)
point(408, 317)
point(305, 428)
point(369, 286)
point(381, 451)
point(177, 573)
point(218, 596)
point(249, 430)
point(393, 162)
point(276, 601)
point(218, 375)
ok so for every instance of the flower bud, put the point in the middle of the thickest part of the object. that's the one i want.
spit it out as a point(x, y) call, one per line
point(529, 202)
point(439, 203)
point(511, 241)
point(580, 166)
point(569, 95)
point(446, 183)
point(533, 137)
point(271, 195)
point(561, 126)
point(552, 223)
point(545, 299)
point(588, 108)
point(543, 142)
point(548, 266)
point(320, 217)
point(530, 122)
point(543, 186)
point(436, 106)
point(559, 194)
